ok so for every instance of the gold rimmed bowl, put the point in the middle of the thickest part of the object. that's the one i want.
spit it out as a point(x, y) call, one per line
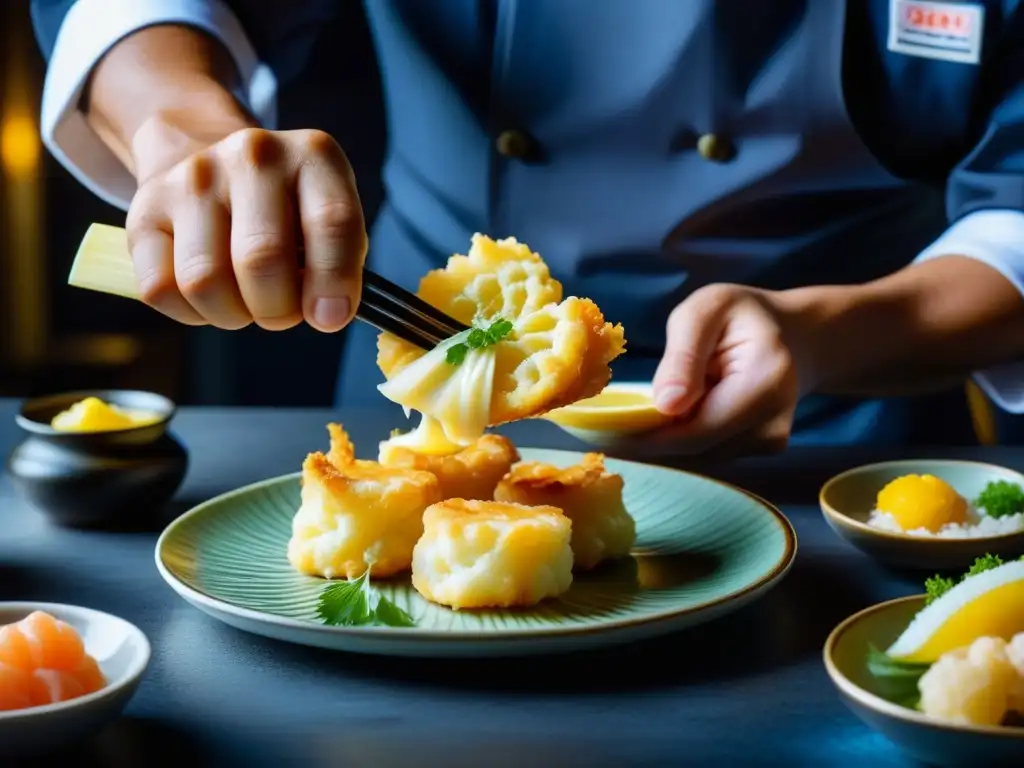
point(848, 499)
point(927, 739)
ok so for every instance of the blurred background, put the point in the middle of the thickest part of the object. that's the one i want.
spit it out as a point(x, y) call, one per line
point(53, 337)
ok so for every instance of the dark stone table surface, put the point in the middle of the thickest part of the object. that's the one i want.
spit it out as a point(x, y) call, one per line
point(748, 689)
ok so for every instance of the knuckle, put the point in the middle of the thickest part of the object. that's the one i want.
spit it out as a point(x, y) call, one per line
point(684, 360)
point(712, 297)
point(156, 286)
point(261, 254)
point(254, 147)
point(338, 220)
point(196, 175)
point(197, 276)
point(319, 144)
point(145, 214)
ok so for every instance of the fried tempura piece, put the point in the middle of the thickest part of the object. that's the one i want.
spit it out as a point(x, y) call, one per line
point(471, 473)
point(558, 351)
point(481, 554)
point(357, 513)
point(587, 494)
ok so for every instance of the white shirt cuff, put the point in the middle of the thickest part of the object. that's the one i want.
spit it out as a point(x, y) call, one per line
point(996, 238)
point(93, 27)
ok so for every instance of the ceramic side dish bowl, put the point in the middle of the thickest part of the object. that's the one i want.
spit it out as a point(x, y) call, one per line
point(848, 499)
point(122, 652)
point(97, 479)
point(923, 738)
point(623, 409)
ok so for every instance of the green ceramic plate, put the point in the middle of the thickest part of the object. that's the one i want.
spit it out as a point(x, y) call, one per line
point(703, 549)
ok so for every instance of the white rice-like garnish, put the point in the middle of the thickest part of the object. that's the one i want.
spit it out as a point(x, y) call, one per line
point(979, 525)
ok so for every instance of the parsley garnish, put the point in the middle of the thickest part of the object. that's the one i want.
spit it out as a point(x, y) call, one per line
point(478, 338)
point(937, 586)
point(982, 564)
point(1001, 498)
point(897, 680)
point(355, 603)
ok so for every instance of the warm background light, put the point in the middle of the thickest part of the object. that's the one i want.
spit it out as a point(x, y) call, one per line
point(19, 145)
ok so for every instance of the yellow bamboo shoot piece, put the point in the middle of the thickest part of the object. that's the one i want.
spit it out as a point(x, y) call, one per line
point(103, 263)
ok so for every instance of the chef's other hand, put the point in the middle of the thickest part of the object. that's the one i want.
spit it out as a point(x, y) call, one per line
point(729, 375)
point(215, 237)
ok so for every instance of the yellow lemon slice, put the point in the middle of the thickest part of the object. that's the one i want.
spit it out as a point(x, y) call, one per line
point(988, 604)
point(619, 408)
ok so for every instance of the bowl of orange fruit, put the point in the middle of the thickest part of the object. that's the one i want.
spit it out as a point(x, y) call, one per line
point(930, 513)
point(65, 672)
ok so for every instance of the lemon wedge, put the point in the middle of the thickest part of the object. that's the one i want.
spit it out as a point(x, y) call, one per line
point(619, 408)
point(988, 604)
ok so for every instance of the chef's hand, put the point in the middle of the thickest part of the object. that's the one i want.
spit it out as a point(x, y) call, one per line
point(214, 235)
point(729, 375)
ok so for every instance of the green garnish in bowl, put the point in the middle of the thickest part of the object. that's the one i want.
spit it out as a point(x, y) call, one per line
point(898, 679)
point(937, 586)
point(1001, 498)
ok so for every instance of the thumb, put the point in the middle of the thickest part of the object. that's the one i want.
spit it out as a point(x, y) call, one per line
point(692, 332)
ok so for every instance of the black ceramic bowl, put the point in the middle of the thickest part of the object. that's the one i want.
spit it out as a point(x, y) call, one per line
point(118, 478)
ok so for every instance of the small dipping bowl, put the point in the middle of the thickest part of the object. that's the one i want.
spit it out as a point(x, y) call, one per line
point(622, 409)
point(848, 499)
point(926, 739)
point(122, 652)
point(103, 479)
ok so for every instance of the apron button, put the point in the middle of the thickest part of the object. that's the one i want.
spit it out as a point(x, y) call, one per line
point(715, 148)
point(516, 145)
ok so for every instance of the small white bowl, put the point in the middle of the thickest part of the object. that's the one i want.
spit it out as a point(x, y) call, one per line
point(122, 652)
point(605, 426)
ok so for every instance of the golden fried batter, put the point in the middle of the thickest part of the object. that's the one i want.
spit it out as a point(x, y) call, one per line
point(471, 473)
point(357, 513)
point(558, 351)
point(587, 494)
point(481, 554)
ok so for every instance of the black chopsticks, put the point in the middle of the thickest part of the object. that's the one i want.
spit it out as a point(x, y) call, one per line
point(392, 309)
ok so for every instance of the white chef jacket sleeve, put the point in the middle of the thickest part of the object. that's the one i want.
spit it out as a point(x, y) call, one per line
point(93, 27)
point(994, 237)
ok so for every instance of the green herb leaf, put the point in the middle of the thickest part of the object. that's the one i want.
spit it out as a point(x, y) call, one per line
point(499, 330)
point(354, 603)
point(456, 354)
point(936, 587)
point(1001, 498)
point(897, 680)
point(478, 338)
point(345, 603)
point(390, 615)
point(982, 564)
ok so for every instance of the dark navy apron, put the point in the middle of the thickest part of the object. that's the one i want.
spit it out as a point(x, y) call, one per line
point(644, 151)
